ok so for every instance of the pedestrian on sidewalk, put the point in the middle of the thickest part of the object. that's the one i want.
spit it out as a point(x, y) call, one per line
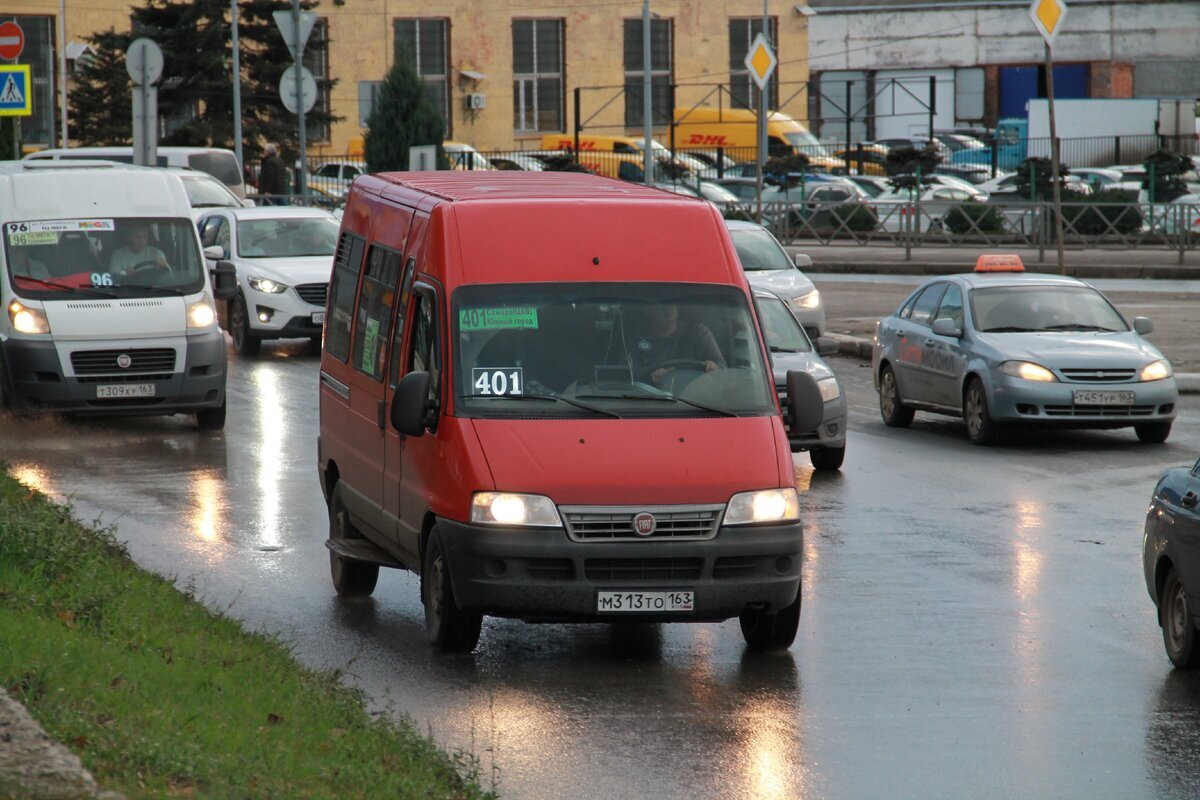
point(272, 177)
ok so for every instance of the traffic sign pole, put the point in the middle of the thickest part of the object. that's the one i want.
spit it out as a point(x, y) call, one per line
point(1047, 17)
point(298, 54)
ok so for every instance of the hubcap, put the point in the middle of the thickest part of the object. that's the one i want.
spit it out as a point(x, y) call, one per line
point(974, 411)
point(1177, 618)
point(887, 396)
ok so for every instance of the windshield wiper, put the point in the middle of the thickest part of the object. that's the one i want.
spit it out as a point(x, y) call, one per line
point(551, 397)
point(774, 348)
point(1011, 329)
point(667, 397)
point(89, 290)
point(167, 290)
point(1078, 326)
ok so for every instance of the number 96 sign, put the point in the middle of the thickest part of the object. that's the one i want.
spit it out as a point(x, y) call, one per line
point(491, 381)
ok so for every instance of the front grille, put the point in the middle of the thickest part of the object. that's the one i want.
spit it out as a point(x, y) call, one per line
point(313, 293)
point(1099, 375)
point(141, 377)
point(615, 524)
point(1098, 411)
point(642, 569)
point(94, 362)
point(734, 567)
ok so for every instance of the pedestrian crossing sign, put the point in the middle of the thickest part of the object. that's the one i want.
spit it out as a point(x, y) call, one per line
point(15, 97)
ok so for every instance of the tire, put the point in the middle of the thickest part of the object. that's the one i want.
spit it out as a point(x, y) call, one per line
point(827, 459)
point(448, 628)
point(895, 414)
point(350, 578)
point(981, 430)
point(1178, 626)
point(244, 341)
point(774, 630)
point(1153, 432)
point(211, 419)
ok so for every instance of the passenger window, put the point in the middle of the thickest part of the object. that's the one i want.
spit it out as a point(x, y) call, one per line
point(923, 309)
point(401, 313)
point(347, 262)
point(423, 355)
point(951, 307)
point(906, 309)
point(374, 316)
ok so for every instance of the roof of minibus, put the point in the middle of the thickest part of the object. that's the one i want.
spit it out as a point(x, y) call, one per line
point(509, 226)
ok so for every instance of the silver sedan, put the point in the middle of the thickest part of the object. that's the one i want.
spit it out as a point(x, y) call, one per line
point(1001, 348)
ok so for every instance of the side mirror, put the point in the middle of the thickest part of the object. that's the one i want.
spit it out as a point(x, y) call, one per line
point(214, 252)
point(944, 326)
point(826, 346)
point(805, 408)
point(410, 404)
point(1143, 325)
point(802, 260)
point(224, 276)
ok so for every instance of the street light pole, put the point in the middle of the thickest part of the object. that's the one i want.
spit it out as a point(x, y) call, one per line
point(647, 100)
point(237, 86)
point(62, 67)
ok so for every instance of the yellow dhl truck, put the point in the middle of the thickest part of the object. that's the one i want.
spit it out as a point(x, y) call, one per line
point(735, 129)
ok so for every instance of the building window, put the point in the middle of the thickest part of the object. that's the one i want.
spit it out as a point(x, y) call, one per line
point(368, 95)
point(742, 88)
point(316, 60)
point(537, 75)
point(661, 64)
point(425, 44)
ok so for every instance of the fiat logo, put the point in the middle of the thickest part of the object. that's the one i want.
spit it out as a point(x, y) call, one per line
point(644, 524)
point(124, 361)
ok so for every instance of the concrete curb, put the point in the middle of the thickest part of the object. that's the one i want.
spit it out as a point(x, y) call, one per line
point(858, 347)
point(34, 766)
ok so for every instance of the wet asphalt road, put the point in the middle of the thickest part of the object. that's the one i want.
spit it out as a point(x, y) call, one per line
point(974, 625)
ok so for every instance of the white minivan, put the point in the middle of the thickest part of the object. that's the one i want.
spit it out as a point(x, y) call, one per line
point(222, 164)
point(108, 306)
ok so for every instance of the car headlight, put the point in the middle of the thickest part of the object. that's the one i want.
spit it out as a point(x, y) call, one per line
point(507, 508)
point(830, 390)
point(809, 301)
point(201, 314)
point(266, 285)
point(1157, 371)
point(1027, 370)
point(27, 320)
point(765, 505)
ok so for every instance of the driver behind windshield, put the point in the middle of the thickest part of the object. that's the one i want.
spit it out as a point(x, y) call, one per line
point(668, 344)
point(137, 254)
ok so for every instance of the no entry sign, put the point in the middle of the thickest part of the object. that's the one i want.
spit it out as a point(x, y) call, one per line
point(12, 41)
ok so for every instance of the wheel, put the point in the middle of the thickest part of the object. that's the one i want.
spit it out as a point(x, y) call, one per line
point(1153, 432)
point(449, 628)
point(895, 414)
point(246, 343)
point(774, 630)
point(1179, 629)
point(980, 428)
point(350, 578)
point(211, 419)
point(827, 458)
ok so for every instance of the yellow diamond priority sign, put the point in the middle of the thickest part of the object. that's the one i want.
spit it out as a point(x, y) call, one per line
point(1048, 16)
point(761, 61)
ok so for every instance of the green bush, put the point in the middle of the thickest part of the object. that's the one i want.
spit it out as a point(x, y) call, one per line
point(1102, 213)
point(857, 217)
point(974, 217)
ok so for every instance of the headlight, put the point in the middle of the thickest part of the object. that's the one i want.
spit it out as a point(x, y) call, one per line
point(201, 314)
point(1157, 371)
point(766, 505)
point(810, 300)
point(829, 389)
point(505, 508)
point(27, 320)
point(1027, 370)
point(266, 285)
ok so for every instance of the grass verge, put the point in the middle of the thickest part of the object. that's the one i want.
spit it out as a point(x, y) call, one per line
point(161, 697)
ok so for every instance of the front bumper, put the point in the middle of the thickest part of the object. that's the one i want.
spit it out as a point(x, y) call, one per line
point(40, 377)
point(540, 574)
point(288, 315)
point(1032, 402)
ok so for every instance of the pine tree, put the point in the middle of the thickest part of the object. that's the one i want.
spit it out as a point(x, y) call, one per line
point(402, 118)
point(195, 94)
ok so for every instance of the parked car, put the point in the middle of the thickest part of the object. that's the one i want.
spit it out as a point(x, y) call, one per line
point(1172, 571)
point(791, 349)
point(205, 192)
point(974, 174)
point(768, 266)
point(334, 177)
point(283, 256)
point(925, 208)
point(865, 160)
point(1000, 347)
point(526, 162)
point(720, 165)
point(873, 185)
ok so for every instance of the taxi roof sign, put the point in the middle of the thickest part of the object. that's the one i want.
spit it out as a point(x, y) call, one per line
point(999, 262)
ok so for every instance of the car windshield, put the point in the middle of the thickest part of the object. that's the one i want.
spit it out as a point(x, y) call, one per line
point(103, 257)
point(806, 143)
point(222, 166)
point(1022, 309)
point(607, 350)
point(280, 237)
point(758, 250)
point(782, 331)
point(204, 191)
